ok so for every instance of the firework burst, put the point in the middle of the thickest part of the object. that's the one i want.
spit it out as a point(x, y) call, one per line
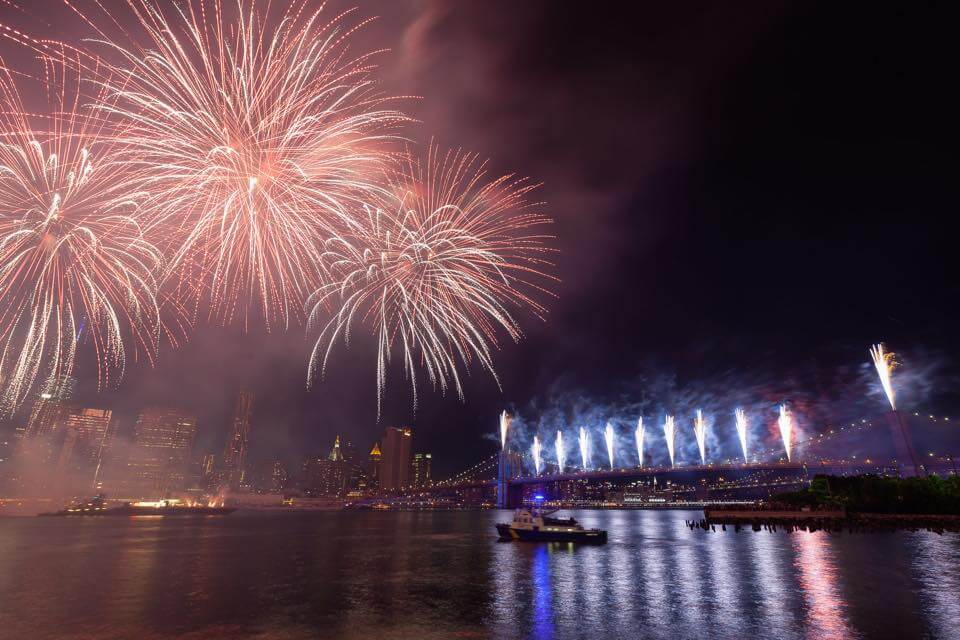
point(700, 431)
point(536, 454)
point(437, 269)
point(669, 432)
point(257, 136)
point(505, 420)
point(561, 452)
point(608, 438)
point(742, 426)
point(74, 262)
point(584, 448)
point(639, 433)
point(785, 423)
point(884, 363)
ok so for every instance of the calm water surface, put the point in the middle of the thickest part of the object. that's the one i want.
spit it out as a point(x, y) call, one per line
point(444, 575)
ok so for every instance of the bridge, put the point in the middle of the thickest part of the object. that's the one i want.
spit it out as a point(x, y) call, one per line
point(506, 470)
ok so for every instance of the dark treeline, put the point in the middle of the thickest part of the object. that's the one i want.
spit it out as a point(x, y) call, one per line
point(874, 494)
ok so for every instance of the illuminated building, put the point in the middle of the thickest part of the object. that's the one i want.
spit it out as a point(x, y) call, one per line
point(44, 428)
point(207, 465)
point(420, 470)
point(163, 440)
point(48, 410)
point(279, 477)
point(235, 451)
point(326, 476)
point(86, 438)
point(207, 473)
point(335, 454)
point(395, 464)
point(373, 467)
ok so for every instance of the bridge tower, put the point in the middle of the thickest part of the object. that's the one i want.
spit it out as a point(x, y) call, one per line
point(510, 465)
point(903, 445)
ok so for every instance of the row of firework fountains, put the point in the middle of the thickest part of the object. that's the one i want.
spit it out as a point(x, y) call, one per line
point(883, 362)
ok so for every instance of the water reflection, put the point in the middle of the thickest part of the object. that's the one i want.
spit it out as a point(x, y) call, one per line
point(542, 593)
point(442, 575)
point(819, 581)
point(770, 587)
point(937, 568)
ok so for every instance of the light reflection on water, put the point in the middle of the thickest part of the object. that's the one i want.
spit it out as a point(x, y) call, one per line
point(441, 575)
point(820, 585)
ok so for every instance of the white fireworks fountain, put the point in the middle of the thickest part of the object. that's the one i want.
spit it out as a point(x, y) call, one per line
point(561, 454)
point(504, 426)
point(669, 431)
point(536, 454)
point(639, 435)
point(700, 431)
point(584, 448)
point(608, 437)
point(884, 363)
point(742, 430)
point(786, 430)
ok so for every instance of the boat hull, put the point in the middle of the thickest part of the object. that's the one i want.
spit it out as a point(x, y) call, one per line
point(586, 536)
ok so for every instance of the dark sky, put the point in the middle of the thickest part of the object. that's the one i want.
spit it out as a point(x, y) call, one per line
point(747, 191)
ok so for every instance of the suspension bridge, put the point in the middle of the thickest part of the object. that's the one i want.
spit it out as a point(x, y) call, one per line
point(509, 471)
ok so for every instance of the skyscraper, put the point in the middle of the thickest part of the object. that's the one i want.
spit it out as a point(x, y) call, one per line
point(86, 439)
point(44, 429)
point(395, 466)
point(326, 477)
point(420, 470)
point(235, 451)
point(47, 413)
point(373, 467)
point(160, 460)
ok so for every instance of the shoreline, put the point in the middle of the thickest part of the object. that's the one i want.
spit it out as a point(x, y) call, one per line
point(836, 521)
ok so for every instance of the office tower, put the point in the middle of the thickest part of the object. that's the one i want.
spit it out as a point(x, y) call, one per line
point(336, 455)
point(349, 452)
point(43, 433)
point(235, 451)
point(160, 460)
point(279, 477)
point(86, 438)
point(373, 467)
point(47, 413)
point(207, 465)
point(395, 465)
point(326, 476)
point(420, 470)
point(207, 473)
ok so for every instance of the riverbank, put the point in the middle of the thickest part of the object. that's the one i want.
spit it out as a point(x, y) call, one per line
point(836, 521)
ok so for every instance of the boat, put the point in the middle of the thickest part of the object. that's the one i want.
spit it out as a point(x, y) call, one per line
point(537, 525)
point(97, 506)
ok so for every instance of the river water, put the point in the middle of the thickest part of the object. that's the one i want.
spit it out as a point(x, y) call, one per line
point(444, 575)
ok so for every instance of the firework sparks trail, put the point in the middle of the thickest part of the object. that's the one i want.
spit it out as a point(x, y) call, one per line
point(639, 435)
point(742, 431)
point(435, 270)
point(536, 454)
point(884, 363)
point(72, 249)
point(608, 437)
point(785, 422)
point(504, 427)
point(584, 448)
point(561, 454)
point(700, 431)
point(256, 139)
point(669, 432)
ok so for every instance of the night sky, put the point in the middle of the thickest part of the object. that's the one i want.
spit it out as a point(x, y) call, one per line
point(751, 192)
